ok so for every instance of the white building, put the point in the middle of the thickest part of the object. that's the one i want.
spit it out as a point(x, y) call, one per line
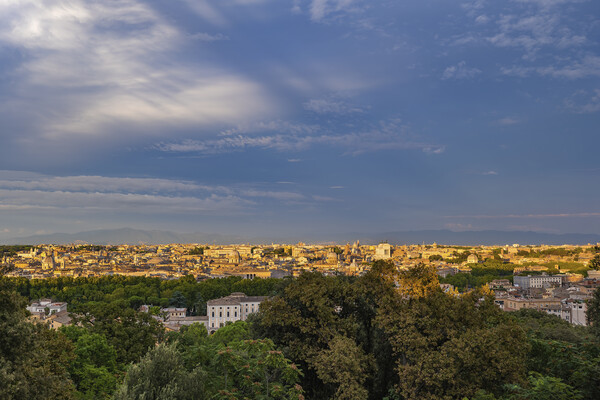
point(539, 281)
point(38, 307)
point(383, 251)
point(235, 307)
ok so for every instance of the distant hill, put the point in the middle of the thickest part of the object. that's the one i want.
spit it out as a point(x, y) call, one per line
point(445, 237)
point(489, 237)
point(124, 236)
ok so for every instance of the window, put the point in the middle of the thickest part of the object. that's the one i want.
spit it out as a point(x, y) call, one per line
point(213, 314)
point(220, 313)
point(227, 314)
point(235, 314)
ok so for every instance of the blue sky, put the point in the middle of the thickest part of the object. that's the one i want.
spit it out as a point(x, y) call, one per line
point(273, 117)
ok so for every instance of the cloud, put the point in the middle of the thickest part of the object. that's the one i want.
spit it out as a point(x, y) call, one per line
point(330, 106)
point(511, 216)
point(507, 121)
point(284, 196)
point(207, 37)
point(387, 135)
point(460, 71)
point(320, 9)
point(130, 202)
point(588, 66)
point(488, 173)
point(99, 67)
point(584, 102)
point(20, 191)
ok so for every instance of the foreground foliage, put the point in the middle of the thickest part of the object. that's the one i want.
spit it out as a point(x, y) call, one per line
point(386, 335)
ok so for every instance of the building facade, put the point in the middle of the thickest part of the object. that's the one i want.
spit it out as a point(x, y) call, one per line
point(235, 307)
point(539, 281)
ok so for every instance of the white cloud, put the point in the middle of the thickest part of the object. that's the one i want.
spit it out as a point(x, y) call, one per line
point(320, 9)
point(20, 191)
point(584, 102)
point(114, 59)
point(556, 215)
point(388, 135)
point(460, 71)
point(330, 106)
point(130, 202)
point(207, 37)
point(588, 66)
point(507, 121)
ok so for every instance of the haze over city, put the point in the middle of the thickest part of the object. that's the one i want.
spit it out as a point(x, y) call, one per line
point(266, 118)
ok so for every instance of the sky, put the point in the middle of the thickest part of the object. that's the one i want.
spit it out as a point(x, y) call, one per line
point(293, 117)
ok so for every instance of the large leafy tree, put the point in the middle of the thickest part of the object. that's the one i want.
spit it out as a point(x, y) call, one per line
point(94, 368)
point(160, 375)
point(129, 332)
point(449, 346)
point(33, 358)
point(196, 366)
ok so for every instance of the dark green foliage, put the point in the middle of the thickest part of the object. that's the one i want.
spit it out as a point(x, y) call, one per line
point(33, 358)
point(542, 387)
point(94, 368)
point(197, 251)
point(131, 292)
point(129, 332)
point(559, 350)
point(480, 275)
point(595, 262)
point(197, 366)
point(12, 250)
point(177, 300)
point(362, 338)
point(448, 347)
point(160, 375)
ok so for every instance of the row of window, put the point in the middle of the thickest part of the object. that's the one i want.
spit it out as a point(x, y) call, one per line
point(235, 314)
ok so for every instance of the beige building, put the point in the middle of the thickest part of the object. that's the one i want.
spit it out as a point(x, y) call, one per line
point(383, 251)
point(235, 307)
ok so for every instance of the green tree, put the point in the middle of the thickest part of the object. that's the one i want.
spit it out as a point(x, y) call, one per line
point(94, 367)
point(178, 300)
point(542, 388)
point(33, 358)
point(160, 375)
point(593, 313)
point(346, 366)
point(450, 347)
point(595, 262)
point(129, 332)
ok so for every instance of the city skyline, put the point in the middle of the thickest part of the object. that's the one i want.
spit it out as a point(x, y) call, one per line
point(258, 117)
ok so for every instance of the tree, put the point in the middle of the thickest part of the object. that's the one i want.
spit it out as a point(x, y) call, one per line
point(450, 347)
point(130, 333)
point(160, 375)
point(593, 313)
point(33, 358)
point(95, 364)
point(595, 262)
point(177, 300)
point(346, 366)
point(542, 388)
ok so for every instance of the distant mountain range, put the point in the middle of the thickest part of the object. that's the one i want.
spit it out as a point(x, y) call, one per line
point(446, 237)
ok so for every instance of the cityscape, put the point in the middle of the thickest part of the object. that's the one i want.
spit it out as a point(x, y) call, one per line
point(299, 200)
